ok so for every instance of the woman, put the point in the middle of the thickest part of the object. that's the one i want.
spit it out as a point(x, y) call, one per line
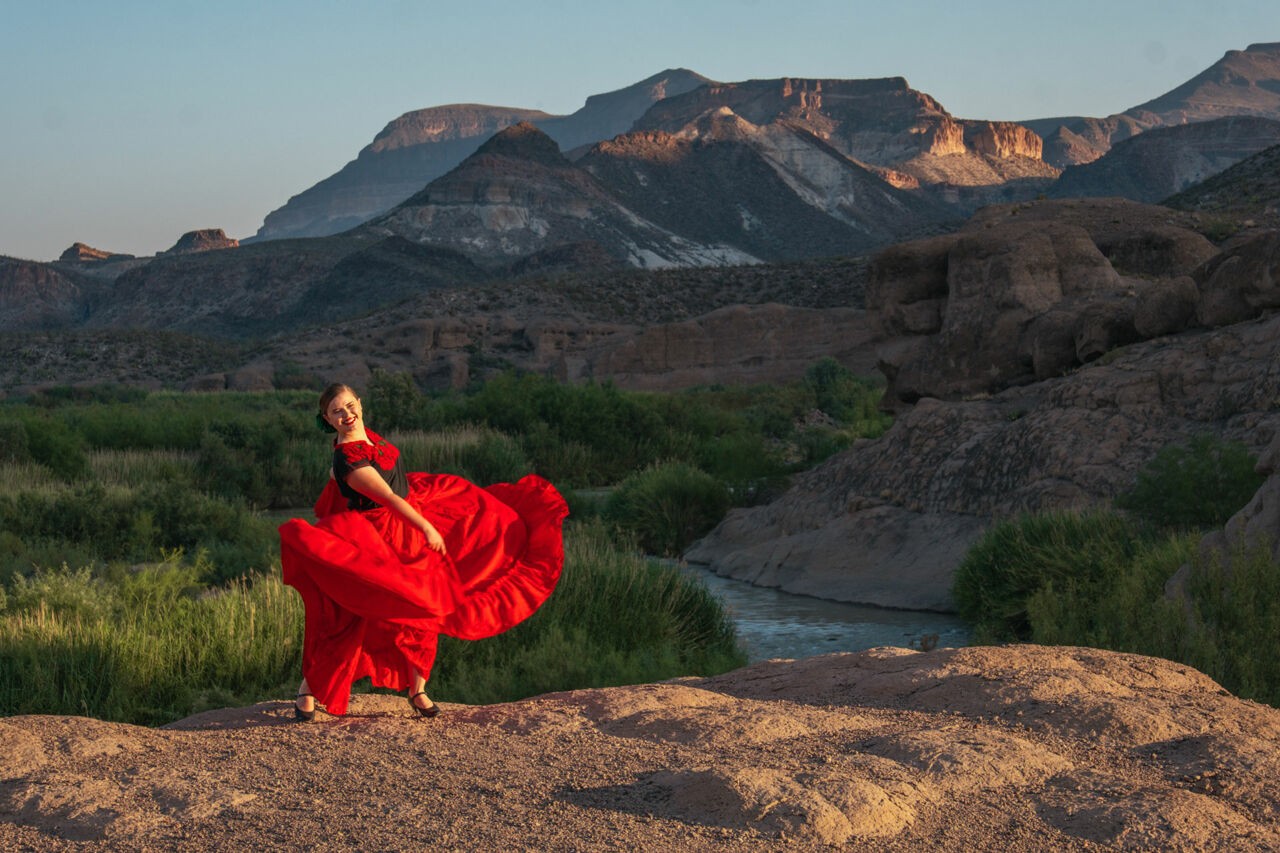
point(396, 558)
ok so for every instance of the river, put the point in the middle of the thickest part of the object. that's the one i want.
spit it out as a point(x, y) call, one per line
point(776, 624)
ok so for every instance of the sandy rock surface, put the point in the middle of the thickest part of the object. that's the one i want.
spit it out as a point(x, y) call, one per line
point(987, 748)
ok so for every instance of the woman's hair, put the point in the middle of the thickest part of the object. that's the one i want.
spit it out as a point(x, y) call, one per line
point(326, 397)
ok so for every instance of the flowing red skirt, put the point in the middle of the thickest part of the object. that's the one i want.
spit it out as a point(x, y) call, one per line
point(376, 596)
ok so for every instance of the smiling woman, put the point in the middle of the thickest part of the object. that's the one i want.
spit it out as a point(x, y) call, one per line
point(397, 558)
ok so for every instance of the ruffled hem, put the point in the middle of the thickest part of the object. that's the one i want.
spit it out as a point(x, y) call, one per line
point(376, 595)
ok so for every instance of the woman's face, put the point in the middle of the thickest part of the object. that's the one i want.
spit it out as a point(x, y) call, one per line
point(344, 413)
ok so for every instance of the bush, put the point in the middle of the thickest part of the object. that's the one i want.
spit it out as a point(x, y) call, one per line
point(1018, 559)
point(666, 507)
point(1234, 619)
point(1195, 487)
point(136, 524)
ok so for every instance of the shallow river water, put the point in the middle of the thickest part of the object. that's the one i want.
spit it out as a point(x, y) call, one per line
point(776, 624)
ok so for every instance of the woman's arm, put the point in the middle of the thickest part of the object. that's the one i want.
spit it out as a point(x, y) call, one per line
point(369, 483)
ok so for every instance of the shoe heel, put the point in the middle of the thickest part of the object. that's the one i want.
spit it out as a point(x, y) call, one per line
point(300, 715)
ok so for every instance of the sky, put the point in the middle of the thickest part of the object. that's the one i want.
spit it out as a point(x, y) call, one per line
point(126, 123)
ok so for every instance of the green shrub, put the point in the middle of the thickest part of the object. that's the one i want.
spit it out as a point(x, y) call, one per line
point(1125, 610)
point(1015, 560)
point(72, 594)
point(495, 458)
point(666, 507)
point(1234, 619)
point(1197, 486)
point(136, 524)
point(53, 444)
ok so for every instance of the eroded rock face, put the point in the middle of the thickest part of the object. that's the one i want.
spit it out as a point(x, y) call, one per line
point(1241, 283)
point(204, 240)
point(742, 344)
point(82, 253)
point(738, 344)
point(887, 521)
point(1027, 292)
point(36, 296)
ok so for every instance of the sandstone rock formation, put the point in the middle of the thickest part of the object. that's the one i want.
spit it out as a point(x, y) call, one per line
point(1027, 292)
point(1013, 748)
point(887, 521)
point(882, 123)
point(203, 240)
point(80, 253)
point(1241, 283)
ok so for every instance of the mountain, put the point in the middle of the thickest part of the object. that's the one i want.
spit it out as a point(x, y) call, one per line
point(35, 295)
point(902, 134)
point(518, 195)
point(777, 192)
point(1248, 190)
point(422, 145)
point(1163, 161)
point(1242, 83)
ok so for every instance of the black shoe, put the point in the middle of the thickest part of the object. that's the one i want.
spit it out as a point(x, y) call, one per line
point(301, 715)
point(429, 711)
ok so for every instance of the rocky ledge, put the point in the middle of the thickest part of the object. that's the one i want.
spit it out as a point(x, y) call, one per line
point(1013, 748)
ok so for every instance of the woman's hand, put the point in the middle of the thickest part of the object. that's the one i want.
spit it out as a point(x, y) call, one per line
point(434, 540)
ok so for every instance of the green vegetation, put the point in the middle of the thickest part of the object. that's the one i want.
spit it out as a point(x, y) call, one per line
point(148, 645)
point(1198, 486)
point(1099, 578)
point(164, 506)
point(667, 507)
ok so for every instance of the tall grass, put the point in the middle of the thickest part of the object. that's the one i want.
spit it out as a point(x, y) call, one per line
point(148, 646)
point(147, 650)
point(134, 467)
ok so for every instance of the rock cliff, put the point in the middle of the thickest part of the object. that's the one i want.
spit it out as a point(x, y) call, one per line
point(884, 124)
point(1030, 291)
point(887, 521)
point(204, 240)
point(37, 296)
point(1015, 356)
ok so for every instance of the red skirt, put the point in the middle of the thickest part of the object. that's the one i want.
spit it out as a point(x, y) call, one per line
point(376, 596)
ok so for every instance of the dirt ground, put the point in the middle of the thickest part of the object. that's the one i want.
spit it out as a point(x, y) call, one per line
point(986, 748)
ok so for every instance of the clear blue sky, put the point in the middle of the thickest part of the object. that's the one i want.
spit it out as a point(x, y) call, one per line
point(126, 123)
